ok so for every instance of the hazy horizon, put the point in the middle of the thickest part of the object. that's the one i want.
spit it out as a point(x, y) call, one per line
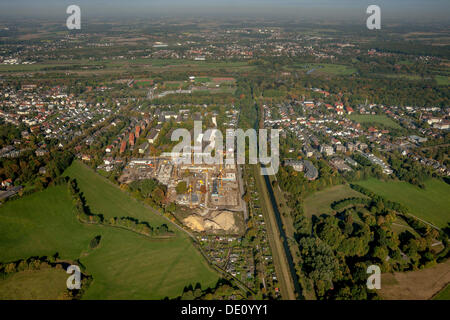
point(353, 10)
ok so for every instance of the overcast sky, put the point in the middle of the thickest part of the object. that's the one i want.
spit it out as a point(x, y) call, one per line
point(408, 10)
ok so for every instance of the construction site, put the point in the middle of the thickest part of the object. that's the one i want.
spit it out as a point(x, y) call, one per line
point(210, 197)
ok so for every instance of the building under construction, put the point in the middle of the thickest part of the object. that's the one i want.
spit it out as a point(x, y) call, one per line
point(209, 186)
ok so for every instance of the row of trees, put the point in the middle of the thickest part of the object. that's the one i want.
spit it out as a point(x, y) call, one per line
point(335, 251)
point(40, 263)
point(338, 250)
point(33, 263)
point(24, 170)
point(224, 290)
point(150, 191)
point(299, 187)
point(379, 200)
point(85, 215)
point(406, 169)
point(355, 90)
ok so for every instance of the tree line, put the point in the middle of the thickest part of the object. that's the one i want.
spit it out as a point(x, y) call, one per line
point(85, 215)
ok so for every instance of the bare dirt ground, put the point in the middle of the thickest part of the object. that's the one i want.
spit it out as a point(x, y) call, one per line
point(415, 285)
point(212, 221)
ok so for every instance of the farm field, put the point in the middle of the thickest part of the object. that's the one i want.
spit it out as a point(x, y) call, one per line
point(83, 66)
point(24, 67)
point(333, 69)
point(442, 80)
point(320, 202)
point(415, 285)
point(200, 80)
point(412, 77)
point(125, 265)
point(417, 200)
point(144, 83)
point(44, 284)
point(382, 119)
point(175, 85)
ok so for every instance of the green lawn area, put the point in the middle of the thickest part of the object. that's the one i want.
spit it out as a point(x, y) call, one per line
point(374, 118)
point(167, 62)
point(320, 202)
point(442, 80)
point(202, 79)
point(333, 69)
point(401, 76)
point(336, 69)
point(444, 294)
point(105, 198)
point(400, 225)
point(24, 67)
point(145, 84)
point(406, 62)
point(125, 265)
point(172, 85)
point(42, 224)
point(124, 65)
point(431, 204)
point(44, 284)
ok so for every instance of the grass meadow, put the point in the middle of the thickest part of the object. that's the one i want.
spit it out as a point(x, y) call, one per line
point(125, 265)
point(431, 204)
point(374, 118)
point(320, 202)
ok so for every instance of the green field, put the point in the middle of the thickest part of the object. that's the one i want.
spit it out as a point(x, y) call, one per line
point(44, 284)
point(143, 83)
point(333, 69)
point(400, 225)
point(406, 62)
point(412, 77)
point(174, 85)
point(41, 225)
point(119, 66)
point(126, 265)
point(202, 79)
point(444, 294)
point(375, 118)
point(105, 198)
point(320, 202)
point(442, 80)
point(431, 204)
